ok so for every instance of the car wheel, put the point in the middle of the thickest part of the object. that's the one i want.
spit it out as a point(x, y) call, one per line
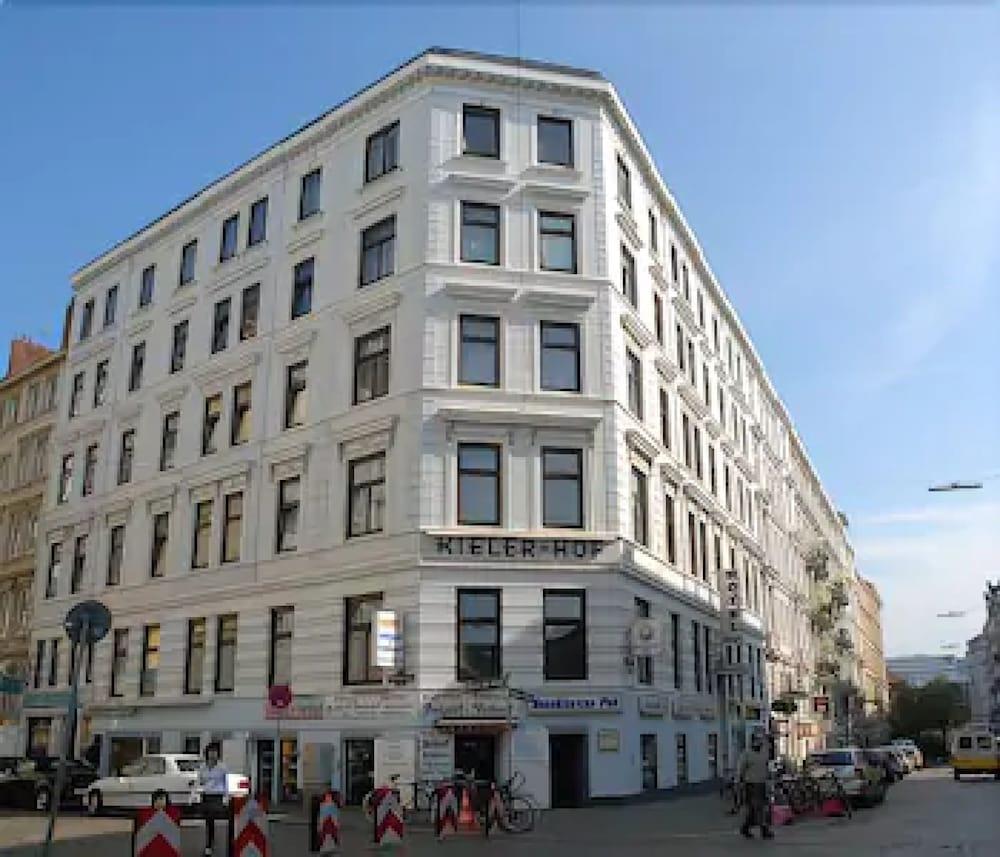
point(95, 803)
point(43, 799)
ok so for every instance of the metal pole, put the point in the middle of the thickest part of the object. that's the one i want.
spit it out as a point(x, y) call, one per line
point(56, 795)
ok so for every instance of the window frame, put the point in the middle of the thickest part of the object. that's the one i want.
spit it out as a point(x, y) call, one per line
point(482, 112)
point(630, 284)
point(171, 419)
point(576, 349)
point(470, 206)
point(302, 289)
point(293, 391)
point(223, 644)
point(249, 320)
point(110, 306)
point(242, 413)
point(284, 509)
point(126, 456)
point(277, 614)
point(159, 544)
point(552, 121)
point(372, 363)
point(670, 522)
point(119, 661)
point(101, 373)
point(89, 470)
point(464, 338)
point(548, 673)
point(543, 232)
point(378, 246)
point(193, 626)
point(305, 192)
point(137, 366)
point(229, 250)
point(634, 383)
point(369, 487)
point(147, 284)
point(382, 135)
point(189, 263)
point(202, 530)
point(228, 517)
point(561, 477)
point(639, 503)
point(76, 394)
point(150, 652)
point(53, 570)
point(178, 346)
point(221, 317)
point(495, 622)
point(211, 417)
point(372, 673)
point(252, 239)
point(480, 472)
point(623, 187)
point(86, 320)
point(79, 562)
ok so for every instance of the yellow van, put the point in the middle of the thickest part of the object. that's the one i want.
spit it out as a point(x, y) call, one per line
point(975, 751)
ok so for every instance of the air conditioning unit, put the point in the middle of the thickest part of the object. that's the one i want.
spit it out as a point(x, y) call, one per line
point(645, 638)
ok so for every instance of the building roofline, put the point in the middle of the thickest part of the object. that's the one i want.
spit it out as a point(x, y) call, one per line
point(54, 356)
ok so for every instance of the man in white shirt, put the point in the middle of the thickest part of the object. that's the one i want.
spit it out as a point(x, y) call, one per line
point(213, 778)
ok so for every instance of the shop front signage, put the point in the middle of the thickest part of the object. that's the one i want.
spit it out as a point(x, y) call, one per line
point(733, 605)
point(297, 707)
point(606, 703)
point(46, 699)
point(437, 756)
point(388, 639)
point(470, 706)
point(608, 740)
point(369, 706)
point(654, 705)
point(512, 548)
point(688, 707)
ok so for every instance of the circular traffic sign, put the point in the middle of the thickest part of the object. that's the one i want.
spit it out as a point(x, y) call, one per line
point(87, 622)
point(279, 696)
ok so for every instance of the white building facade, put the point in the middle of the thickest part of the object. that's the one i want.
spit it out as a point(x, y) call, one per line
point(452, 353)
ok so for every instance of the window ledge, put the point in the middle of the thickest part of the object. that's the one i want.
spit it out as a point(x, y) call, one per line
point(140, 325)
point(97, 345)
point(250, 260)
point(684, 310)
point(692, 399)
point(628, 225)
point(553, 190)
point(381, 430)
point(389, 195)
point(671, 473)
point(219, 371)
point(516, 416)
point(481, 180)
point(306, 238)
point(641, 442)
point(172, 395)
point(636, 329)
point(368, 305)
point(294, 339)
point(543, 296)
point(666, 367)
point(181, 302)
point(480, 292)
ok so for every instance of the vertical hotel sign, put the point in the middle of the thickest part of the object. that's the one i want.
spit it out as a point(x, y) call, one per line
point(388, 639)
point(731, 625)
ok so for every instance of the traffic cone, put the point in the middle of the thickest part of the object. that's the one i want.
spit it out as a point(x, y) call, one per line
point(466, 817)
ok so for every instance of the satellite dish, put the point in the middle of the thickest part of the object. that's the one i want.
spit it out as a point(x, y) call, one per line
point(87, 622)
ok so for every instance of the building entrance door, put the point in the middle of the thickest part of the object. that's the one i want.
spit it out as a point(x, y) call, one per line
point(476, 756)
point(568, 769)
point(359, 768)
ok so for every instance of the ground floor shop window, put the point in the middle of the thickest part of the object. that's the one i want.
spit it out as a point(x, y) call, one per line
point(682, 759)
point(39, 732)
point(648, 748)
point(192, 744)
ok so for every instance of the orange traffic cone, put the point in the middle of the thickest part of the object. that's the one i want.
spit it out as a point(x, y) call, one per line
point(466, 817)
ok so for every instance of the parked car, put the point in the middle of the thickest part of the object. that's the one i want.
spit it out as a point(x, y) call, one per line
point(887, 762)
point(909, 746)
point(861, 781)
point(174, 773)
point(904, 762)
point(30, 783)
point(975, 751)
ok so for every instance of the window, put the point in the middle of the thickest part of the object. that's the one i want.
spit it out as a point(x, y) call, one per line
point(371, 366)
point(225, 661)
point(708, 658)
point(480, 233)
point(565, 634)
point(382, 152)
point(279, 666)
point(135, 370)
point(119, 660)
point(201, 543)
point(624, 183)
point(675, 649)
point(697, 451)
point(150, 660)
point(691, 365)
point(146, 286)
point(378, 250)
point(178, 348)
point(302, 288)
point(715, 332)
point(126, 456)
point(220, 326)
point(168, 442)
point(288, 515)
point(640, 517)
point(189, 255)
point(654, 233)
point(673, 263)
point(79, 564)
point(239, 430)
point(360, 613)
point(644, 663)
point(116, 550)
point(158, 554)
point(249, 311)
point(210, 424)
point(560, 359)
point(682, 759)
point(76, 395)
point(53, 661)
point(478, 634)
point(557, 242)
point(295, 394)
point(54, 571)
point(701, 310)
point(562, 487)
point(194, 659)
point(658, 318)
point(232, 526)
point(366, 495)
point(679, 338)
point(478, 484)
point(671, 522)
point(555, 141)
point(479, 352)
point(633, 382)
point(229, 240)
point(664, 418)
point(480, 131)
point(685, 282)
point(86, 319)
point(39, 662)
point(309, 194)
point(693, 538)
point(629, 288)
point(712, 478)
point(100, 383)
point(696, 643)
point(89, 469)
point(258, 222)
point(686, 432)
point(110, 305)
point(65, 478)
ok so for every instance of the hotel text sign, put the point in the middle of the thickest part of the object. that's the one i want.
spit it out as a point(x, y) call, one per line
point(513, 548)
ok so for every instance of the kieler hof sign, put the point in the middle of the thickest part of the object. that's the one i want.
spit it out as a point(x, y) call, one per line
point(503, 548)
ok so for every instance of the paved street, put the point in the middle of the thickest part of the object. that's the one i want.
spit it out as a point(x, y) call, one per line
point(928, 813)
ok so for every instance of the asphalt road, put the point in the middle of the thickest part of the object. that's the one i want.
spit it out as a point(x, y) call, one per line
point(928, 813)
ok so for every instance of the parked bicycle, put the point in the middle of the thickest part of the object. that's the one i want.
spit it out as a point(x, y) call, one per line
point(520, 809)
point(731, 793)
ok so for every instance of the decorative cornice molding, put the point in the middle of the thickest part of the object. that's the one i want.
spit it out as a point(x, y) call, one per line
point(374, 203)
point(636, 329)
point(365, 306)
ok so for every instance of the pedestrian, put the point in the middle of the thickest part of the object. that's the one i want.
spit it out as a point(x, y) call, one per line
point(751, 772)
point(213, 778)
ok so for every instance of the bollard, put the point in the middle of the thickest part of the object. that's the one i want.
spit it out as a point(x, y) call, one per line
point(445, 810)
point(248, 830)
point(156, 829)
point(388, 816)
point(325, 829)
point(494, 810)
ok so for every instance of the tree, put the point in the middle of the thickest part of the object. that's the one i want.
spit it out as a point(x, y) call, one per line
point(936, 707)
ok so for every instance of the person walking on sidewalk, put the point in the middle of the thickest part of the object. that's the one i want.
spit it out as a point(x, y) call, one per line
point(213, 777)
point(751, 772)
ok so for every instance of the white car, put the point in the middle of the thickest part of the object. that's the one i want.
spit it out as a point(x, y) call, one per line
point(174, 773)
point(909, 746)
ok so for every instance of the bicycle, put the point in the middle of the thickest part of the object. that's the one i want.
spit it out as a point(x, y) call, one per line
point(731, 793)
point(520, 810)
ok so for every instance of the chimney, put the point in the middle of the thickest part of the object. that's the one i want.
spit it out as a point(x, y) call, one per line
point(24, 353)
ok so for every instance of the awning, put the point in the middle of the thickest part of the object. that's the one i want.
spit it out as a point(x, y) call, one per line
point(487, 725)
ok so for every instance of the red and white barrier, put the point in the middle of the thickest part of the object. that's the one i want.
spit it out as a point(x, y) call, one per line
point(249, 830)
point(328, 824)
point(494, 809)
point(156, 832)
point(445, 810)
point(387, 811)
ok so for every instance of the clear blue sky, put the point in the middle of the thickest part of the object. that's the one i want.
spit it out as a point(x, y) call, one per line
point(840, 165)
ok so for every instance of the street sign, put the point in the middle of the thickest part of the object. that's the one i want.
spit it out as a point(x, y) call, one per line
point(87, 622)
point(279, 696)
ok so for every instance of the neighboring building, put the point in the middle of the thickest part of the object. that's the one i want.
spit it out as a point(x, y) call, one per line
point(983, 662)
point(869, 644)
point(450, 352)
point(28, 395)
point(919, 670)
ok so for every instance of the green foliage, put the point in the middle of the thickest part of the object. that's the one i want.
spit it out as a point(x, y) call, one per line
point(934, 708)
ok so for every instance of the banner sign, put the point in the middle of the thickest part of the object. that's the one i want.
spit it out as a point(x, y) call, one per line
point(300, 707)
point(388, 639)
point(733, 605)
point(508, 548)
point(608, 703)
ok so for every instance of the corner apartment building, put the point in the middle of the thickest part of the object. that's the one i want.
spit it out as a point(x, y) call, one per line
point(28, 394)
point(869, 646)
point(449, 361)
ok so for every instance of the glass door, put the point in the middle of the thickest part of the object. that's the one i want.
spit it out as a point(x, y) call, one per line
point(648, 748)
